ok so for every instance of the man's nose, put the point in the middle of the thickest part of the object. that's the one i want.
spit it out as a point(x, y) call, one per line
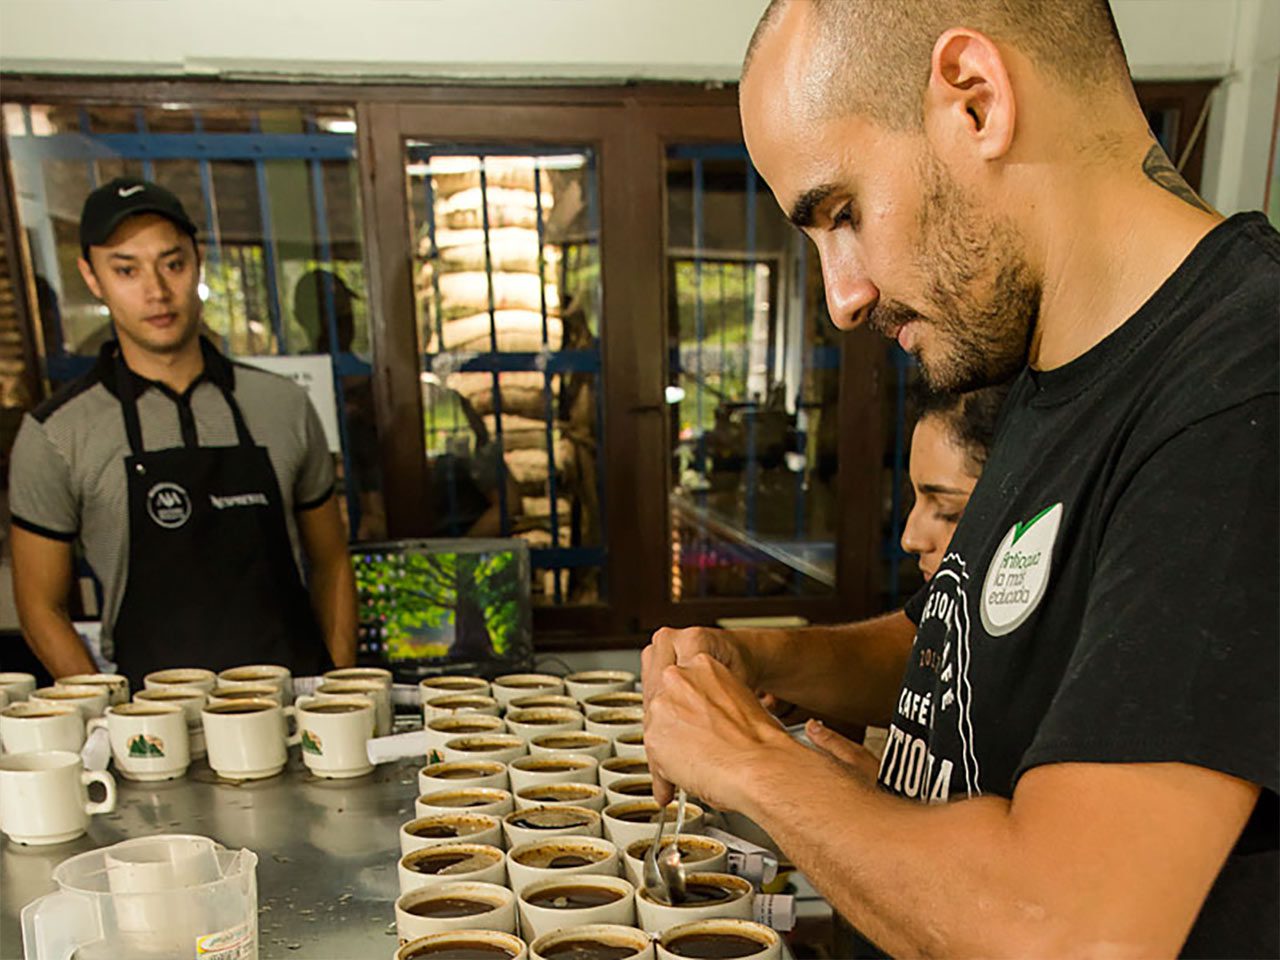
point(850, 292)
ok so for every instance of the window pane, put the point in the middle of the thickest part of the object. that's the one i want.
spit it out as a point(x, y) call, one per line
point(507, 284)
point(752, 391)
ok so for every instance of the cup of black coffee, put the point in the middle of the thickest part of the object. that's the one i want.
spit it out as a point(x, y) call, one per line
point(548, 905)
point(632, 820)
point(441, 828)
point(447, 862)
point(465, 945)
point(720, 940)
point(601, 941)
point(456, 905)
point(708, 896)
point(557, 820)
point(560, 857)
point(586, 795)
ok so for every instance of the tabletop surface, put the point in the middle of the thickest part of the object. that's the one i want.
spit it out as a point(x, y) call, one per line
point(327, 852)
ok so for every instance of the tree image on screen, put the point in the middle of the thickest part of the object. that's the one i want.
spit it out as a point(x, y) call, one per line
point(460, 605)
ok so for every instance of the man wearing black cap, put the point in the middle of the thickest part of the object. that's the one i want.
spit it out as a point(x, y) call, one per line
point(192, 484)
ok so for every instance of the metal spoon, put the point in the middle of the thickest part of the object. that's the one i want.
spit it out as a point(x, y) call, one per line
point(663, 871)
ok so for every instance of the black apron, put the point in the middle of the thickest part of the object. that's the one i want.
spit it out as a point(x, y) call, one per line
point(212, 580)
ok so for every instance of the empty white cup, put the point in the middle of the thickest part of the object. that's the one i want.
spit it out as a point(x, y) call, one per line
point(44, 797)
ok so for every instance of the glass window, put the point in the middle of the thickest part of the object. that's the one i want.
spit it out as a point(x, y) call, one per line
point(507, 286)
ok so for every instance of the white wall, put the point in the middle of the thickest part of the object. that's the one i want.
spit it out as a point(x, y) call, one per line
point(1238, 40)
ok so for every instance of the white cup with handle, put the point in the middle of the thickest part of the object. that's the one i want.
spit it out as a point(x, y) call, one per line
point(248, 739)
point(17, 686)
point(335, 732)
point(379, 695)
point(192, 700)
point(206, 680)
point(30, 727)
point(116, 684)
point(149, 741)
point(44, 796)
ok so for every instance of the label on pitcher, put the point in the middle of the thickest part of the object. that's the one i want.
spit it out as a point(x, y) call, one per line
point(234, 943)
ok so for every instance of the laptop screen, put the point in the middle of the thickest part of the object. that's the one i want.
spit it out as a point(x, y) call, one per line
point(429, 606)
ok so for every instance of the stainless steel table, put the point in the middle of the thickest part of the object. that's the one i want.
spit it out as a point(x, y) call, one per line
point(327, 852)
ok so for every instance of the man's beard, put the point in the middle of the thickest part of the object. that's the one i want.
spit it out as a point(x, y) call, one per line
point(983, 296)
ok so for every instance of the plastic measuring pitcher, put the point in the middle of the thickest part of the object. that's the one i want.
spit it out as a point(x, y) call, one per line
point(171, 896)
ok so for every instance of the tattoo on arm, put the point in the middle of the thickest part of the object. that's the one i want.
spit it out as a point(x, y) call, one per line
point(1163, 173)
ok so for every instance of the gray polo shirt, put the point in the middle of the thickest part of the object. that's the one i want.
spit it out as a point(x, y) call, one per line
point(67, 476)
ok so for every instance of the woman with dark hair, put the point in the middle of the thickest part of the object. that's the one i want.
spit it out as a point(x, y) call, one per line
point(949, 447)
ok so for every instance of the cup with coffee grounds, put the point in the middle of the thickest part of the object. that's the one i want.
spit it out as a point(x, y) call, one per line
point(616, 768)
point(455, 905)
point(632, 820)
point(592, 744)
point(612, 701)
point(593, 942)
point(704, 854)
point(708, 896)
point(542, 823)
point(443, 686)
point(453, 704)
point(549, 905)
point(546, 768)
point(440, 730)
point(721, 939)
point(498, 747)
point(528, 724)
point(495, 803)
point(462, 775)
point(590, 683)
point(507, 688)
point(440, 828)
point(614, 723)
point(630, 745)
point(577, 794)
point(447, 862)
point(465, 945)
point(560, 857)
point(540, 700)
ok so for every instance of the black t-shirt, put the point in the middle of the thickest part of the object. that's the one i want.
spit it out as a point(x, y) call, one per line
point(1112, 592)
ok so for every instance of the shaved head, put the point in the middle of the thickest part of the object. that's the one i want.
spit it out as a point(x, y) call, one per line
point(873, 56)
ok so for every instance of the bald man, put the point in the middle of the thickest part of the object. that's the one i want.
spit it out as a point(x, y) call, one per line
point(1083, 701)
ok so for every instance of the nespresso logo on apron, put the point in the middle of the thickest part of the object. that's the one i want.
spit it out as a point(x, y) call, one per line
point(240, 500)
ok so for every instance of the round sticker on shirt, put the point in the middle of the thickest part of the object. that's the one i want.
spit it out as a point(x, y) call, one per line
point(1019, 572)
point(169, 505)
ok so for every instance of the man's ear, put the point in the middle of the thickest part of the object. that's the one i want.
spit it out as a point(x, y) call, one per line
point(90, 278)
point(970, 95)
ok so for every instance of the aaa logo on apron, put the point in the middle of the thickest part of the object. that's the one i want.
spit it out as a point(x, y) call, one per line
point(1019, 572)
point(168, 505)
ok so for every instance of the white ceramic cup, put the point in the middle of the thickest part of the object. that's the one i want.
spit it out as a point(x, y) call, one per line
point(447, 862)
point(630, 745)
point(504, 944)
point(246, 691)
point(561, 857)
point(248, 739)
point(613, 935)
point(117, 685)
point(545, 906)
point(551, 768)
point(593, 745)
point(629, 788)
point(261, 673)
point(617, 768)
point(451, 704)
point(507, 688)
point(767, 937)
point(548, 794)
point(498, 747)
point(371, 687)
point(588, 683)
point(495, 909)
point(380, 674)
point(442, 686)
point(206, 680)
point(18, 686)
point(656, 917)
point(495, 803)
point(334, 734)
point(612, 701)
point(43, 796)
point(632, 820)
point(29, 727)
point(439, 828)
point(90, 701)
point(192, 700)
point(614, 723)
point(533, 723)
point(439, 730)
point(540, 701)
point(543, 823)
point(149, 741)
point(459, 776)
point(703, 854)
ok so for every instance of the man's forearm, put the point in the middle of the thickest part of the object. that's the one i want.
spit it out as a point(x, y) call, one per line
point(850, 672)
point(333, 596)
point(53, 639)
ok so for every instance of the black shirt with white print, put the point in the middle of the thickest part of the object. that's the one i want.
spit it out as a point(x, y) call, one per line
point(1111, 593)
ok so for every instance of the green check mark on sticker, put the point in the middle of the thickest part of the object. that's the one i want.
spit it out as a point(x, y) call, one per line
point(1020, 528)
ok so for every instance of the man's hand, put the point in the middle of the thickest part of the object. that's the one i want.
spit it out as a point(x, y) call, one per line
point(678, 647)
point(851, 754)
point(706, 731)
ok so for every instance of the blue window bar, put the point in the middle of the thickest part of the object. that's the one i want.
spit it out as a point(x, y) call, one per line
point(506, 246)
point(753, 380)
point(274, 193)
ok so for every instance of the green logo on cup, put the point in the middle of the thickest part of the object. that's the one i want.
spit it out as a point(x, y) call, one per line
point(311, 743)
point(143, 745)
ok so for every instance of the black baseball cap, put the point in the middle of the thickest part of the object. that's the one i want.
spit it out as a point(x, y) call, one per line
point(113, 203)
